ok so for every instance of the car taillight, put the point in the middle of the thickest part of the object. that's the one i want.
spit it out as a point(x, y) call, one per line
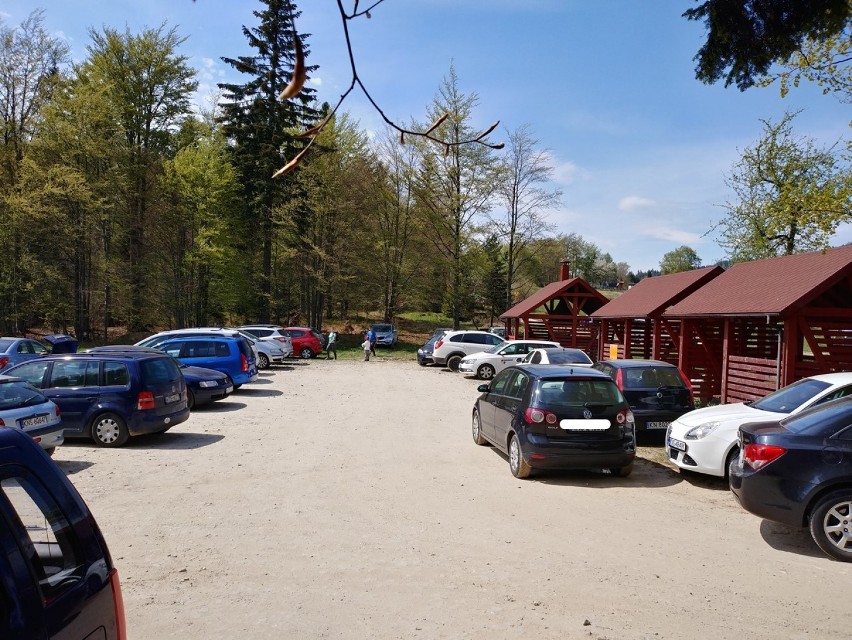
point(243, 363)
point(145, 401)
point(4, 361)
point(118, 605)
point(758, 456)
point(536, 416)
point(619, 380)
point(438, 344)
point(687, 383)
point(56, 410)
point(2, 424)
point(624, 416)
point(280, 339)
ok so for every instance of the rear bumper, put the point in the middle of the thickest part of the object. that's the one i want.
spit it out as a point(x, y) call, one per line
point(544, 453)
point(148, 422)
point(770, 497)
point(50, 440)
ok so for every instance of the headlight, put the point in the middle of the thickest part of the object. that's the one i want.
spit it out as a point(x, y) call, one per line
point(701, 431)
point(208, 383)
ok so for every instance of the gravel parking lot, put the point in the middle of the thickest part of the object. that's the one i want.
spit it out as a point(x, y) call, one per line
point(346, 499)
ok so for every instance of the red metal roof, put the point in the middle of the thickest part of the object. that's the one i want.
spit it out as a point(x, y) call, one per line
point(774, 286)
point(651, 296)
point(547, 292)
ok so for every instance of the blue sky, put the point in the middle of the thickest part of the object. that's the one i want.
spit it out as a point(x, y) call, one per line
point(640, 148)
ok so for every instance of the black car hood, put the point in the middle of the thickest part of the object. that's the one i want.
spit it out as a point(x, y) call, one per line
point(200, 373)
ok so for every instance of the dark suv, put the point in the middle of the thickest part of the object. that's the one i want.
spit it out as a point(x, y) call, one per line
point(57, 579)
point(111, 396)
point(556, 417)
point(656, 391)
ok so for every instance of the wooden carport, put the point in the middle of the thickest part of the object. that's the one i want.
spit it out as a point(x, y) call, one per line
point(559, 311)
point(764, 324)
point(632, 326)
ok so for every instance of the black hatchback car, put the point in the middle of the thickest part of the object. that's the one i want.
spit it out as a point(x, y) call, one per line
point(656, 391)
point(798, 471)
point(556, 417)
point(57, 578)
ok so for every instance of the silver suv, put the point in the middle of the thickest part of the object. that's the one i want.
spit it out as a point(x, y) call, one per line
point(455, 345)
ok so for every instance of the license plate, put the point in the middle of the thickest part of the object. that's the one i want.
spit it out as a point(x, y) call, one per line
point(33, 422)
point(657, 425)
point(172, 398)
point(677, 444)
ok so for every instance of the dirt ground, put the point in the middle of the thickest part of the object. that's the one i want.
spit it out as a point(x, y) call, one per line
point(347, 500)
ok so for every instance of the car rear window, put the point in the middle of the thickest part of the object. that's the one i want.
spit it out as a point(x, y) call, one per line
point(48, 540)
point(651, 377)
point(159, 371)
point(568, 357)
point(244, 347)
point(4, 344)
point(824, 420)
point(19, 394)
point(577, 392)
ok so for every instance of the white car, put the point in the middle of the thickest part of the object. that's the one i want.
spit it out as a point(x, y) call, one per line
point(455, 345)
point(705, 440)
point(486, 364)
point(23, 407)
point(559, 355)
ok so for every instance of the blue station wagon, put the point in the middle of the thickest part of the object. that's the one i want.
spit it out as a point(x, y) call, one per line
point(112, 396)
point(230, 355)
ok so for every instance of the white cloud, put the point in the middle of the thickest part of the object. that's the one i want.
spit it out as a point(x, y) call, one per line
point(316, 81)
point(633, 203)
point(567, 173)
point(673, 235)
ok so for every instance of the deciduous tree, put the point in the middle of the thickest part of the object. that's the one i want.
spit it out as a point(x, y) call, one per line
point(791, 193)
point(683, 258)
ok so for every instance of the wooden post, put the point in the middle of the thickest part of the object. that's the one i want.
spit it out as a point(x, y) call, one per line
point(726, 348)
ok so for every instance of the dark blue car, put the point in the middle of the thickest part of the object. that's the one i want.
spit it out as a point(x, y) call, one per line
point(57, 579)
point(798, 471)
point(203, 386)
point(111, 396)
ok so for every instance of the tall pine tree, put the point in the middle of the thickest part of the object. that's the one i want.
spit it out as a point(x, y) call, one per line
point(261, 129)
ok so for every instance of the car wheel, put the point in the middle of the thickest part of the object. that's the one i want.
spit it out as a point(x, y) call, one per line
point(830, 523)
point(109, 430)
point(422, 363)
point(733, 455)
point(476, 429)
point(262, 361)
point(622, 472)
point(485, 372)
point(237, 386)
point(453, 362)
point(190, 400)
point(517, 465)
point(306, 353)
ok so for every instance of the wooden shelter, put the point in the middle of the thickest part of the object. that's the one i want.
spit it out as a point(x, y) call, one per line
point(632, 326)
point(764, 324)
point(559, 311)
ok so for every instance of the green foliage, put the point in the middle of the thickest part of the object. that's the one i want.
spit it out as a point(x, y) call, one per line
point(792, 196)
point(745, 38)
point(681, 259)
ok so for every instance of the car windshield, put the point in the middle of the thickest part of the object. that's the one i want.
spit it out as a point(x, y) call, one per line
point(568, 357)
point(577, 392)
point(495, 348)
point(791, 397)
point(19, 394)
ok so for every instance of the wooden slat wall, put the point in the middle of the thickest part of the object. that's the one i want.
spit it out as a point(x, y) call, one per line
point(704, 349)
point(827, 346)
point(750, 378)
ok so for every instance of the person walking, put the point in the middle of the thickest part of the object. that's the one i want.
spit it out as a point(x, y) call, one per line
point(366, 347)
point(371, 336)
point(331, 345)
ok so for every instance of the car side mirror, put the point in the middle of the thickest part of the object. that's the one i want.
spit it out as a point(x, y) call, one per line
point(484, 388)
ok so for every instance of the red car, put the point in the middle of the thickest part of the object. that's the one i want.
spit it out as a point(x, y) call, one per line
point(307, 343)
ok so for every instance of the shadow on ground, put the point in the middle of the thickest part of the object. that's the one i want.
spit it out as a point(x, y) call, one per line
point(796, 540)
point(70, 467)
point(646, 473)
